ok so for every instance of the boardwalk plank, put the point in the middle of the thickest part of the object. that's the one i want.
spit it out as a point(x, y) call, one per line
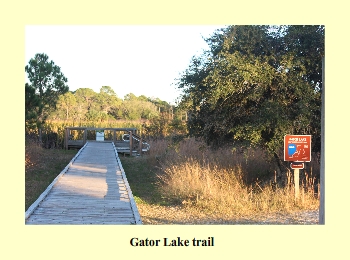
point(92, 190)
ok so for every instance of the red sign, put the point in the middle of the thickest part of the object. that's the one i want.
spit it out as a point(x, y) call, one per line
point(297, 165)
point(297, 148)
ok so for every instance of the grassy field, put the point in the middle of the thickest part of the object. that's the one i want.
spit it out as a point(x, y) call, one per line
point(142, 180)
point(41, 168)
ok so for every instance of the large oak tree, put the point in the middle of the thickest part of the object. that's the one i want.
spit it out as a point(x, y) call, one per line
point(255, 85)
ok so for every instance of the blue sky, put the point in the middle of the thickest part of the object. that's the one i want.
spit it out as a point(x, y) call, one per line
point(144, 60)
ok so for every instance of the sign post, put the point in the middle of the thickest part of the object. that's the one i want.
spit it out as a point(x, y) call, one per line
point(297, 149)
point(296, 183)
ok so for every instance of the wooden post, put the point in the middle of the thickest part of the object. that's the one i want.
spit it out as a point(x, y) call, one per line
point(114, 136)
point(85, 135)
point(66, 138)
point(321, 214)
point(296, 183)
point(140, 146)
point(130, 141)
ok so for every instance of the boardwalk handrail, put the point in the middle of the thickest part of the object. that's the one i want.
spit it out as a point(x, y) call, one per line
point(137, 138)
point(129, 130)
point(136, 213)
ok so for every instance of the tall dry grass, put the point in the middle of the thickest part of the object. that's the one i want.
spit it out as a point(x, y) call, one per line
point(226, 181)
point(41, 167)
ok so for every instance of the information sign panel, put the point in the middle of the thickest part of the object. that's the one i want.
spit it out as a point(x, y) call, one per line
point(297, 148)
point(100, 136)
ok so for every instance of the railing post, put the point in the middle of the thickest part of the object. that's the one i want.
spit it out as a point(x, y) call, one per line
point(85, 135)
point(140, 146)
point(66, 138)
point(130, 141)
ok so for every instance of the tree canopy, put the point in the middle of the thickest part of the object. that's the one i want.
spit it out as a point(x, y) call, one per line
point(47, 83)
point(256, 84)
point(85, 104)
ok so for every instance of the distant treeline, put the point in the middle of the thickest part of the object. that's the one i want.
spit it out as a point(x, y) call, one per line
point(86, 105)
point(50, 106)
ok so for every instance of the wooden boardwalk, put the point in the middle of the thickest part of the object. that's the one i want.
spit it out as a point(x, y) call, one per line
point(92, 189)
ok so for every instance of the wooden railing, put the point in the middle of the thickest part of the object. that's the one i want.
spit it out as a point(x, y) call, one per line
point(131, 132)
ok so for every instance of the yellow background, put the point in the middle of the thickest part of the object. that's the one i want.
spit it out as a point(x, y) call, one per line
point(112, 242)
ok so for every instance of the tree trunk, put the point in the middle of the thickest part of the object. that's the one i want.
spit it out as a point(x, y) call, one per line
point(40, 135)
point(279, 166)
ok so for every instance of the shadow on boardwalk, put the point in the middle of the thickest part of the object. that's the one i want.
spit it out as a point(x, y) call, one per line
point(92, 191)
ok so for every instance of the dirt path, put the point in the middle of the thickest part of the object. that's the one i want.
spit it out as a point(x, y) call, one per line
point(165, 215)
